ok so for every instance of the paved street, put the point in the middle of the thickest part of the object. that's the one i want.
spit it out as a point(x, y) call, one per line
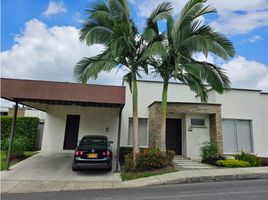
point(236, 190)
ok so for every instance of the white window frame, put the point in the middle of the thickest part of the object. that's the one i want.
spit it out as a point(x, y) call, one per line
point(236, 138)
point(198, 126)
point(147, 132)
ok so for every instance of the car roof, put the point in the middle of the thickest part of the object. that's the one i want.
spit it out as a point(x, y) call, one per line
point(95, 136)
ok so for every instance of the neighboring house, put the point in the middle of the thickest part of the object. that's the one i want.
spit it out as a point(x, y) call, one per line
point(236, 120)
point(3, 111)
point(30, 112)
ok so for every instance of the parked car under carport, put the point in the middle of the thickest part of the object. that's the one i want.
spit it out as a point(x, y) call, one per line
point(93, 152)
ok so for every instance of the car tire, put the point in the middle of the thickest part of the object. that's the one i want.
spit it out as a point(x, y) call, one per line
point(109, 169)
point(74, 168)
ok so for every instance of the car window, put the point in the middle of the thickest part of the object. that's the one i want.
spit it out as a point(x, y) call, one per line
point(94, 142)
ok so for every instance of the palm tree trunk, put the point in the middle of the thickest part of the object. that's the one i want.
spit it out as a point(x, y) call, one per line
point(163, 117)
point(136, 148)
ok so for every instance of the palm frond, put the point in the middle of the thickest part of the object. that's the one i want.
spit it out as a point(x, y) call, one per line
point(88, 68)
point(195, 84)
point(215, 76)
point(94, 33)
point(119, 10)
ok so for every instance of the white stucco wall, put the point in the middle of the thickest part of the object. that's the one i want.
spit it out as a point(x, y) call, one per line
point(149, 92)
point(249, 105)
point(264, 117)
point(93, 121)
point(236, 104)
point(35, 113)
point(196, 136)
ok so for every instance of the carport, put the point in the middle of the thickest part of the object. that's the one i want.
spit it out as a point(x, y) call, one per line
point(73, 110)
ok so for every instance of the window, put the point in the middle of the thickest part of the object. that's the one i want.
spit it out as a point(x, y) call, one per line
point(236, 136)
point(94, 142)
point(142, 132)
point(197, 122)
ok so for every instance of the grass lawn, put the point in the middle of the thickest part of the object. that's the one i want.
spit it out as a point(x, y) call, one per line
point(15, 159)
point(135, 175)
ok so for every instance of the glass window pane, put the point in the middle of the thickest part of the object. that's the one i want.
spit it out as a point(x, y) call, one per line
point(229, 136)
point(142, 132)
point(197, 122)
point(244, 135)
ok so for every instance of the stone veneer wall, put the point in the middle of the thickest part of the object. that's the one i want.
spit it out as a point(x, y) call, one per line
point(214, 111)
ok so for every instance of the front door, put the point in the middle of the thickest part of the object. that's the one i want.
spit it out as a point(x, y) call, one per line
point(71, 132)
point(173, 135)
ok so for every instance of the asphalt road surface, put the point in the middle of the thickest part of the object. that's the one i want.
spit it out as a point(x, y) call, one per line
point(235, 190)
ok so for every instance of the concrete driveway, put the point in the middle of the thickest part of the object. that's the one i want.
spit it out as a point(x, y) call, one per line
point(54, 167)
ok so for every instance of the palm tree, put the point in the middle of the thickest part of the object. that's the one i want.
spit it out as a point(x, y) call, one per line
point(172, 55)
point(109, 24)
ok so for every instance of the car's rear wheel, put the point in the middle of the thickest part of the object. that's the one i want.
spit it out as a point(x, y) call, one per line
point(74, 168)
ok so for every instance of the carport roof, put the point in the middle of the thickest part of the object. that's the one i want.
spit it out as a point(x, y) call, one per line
point(48, 92)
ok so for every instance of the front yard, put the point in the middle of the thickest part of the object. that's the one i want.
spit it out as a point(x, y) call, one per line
point(126, 176)
point(15, 158)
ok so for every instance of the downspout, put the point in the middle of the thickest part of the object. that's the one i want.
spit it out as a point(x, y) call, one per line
point(12, 133)
point(118, 140)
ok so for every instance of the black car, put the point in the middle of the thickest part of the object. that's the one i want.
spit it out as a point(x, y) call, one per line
point(93, 152)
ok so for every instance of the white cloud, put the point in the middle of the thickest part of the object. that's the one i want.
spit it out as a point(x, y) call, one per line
point(243, 73)
point(255, 38)
point(247, 73)
point(53, 8)
point(47, 53)
point(234, 17)
point(233, 23)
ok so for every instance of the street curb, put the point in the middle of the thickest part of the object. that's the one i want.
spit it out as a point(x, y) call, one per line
point(217, 178)
point(164, 179)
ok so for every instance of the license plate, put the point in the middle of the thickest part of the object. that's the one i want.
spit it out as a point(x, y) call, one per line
point(92, 155)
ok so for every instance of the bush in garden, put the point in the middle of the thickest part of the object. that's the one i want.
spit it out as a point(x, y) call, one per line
point(252, 159)
point(123, 151)
point(232, 163)
point(150, 159)
point(128, 163)
point(169, 157)
point(209, 151)
point(213, 160)
point(25, 135)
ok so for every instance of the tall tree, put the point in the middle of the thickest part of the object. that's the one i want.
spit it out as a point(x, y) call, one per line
point(109, 24)
point(172, 55)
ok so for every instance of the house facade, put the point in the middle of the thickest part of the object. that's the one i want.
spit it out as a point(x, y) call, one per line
point(236, 120)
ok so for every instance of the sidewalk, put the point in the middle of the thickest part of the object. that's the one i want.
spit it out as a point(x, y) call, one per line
point(187, 176)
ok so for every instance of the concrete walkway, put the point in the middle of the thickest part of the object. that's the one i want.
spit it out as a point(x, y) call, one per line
point(186, 176)
point(184, 163)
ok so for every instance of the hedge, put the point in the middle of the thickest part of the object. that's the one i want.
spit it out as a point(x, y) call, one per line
point(25, 136)
point(232, 163)
point(123, 151)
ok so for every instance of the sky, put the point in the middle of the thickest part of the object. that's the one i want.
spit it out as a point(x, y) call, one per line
point(39, 39)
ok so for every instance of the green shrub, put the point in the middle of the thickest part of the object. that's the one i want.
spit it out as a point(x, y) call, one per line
point(128, 163)
point(252, 159)
point(208, 150)
point(150, 159)
point(169, 157)
point(4, 144)
point(232, 163)
point(123, 151)
point(25, 135)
